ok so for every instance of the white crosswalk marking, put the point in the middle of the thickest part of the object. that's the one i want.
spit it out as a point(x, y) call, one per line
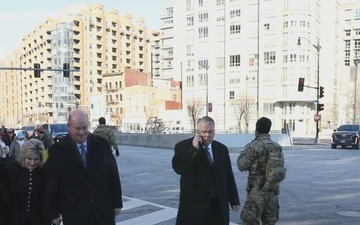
point(166, 213)
point(163, 214)
point(151, 218)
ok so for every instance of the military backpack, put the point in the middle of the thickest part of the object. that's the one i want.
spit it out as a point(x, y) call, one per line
point(275, 170)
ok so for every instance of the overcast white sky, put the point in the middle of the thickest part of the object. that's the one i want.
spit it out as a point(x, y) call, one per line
point(18, 17)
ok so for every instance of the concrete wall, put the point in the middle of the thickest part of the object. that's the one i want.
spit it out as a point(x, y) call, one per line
point(169, 140)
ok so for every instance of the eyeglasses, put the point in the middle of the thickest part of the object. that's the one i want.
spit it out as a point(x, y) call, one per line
point(41, 132)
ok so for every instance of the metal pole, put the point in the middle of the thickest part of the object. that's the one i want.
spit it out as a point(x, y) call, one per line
point(317, 92)
point(355, 87)
point(207, 90)
point(258, 64)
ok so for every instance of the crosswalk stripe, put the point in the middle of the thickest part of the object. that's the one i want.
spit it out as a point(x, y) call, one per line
point(162, 215)
point(151, 218)
point(133, 203)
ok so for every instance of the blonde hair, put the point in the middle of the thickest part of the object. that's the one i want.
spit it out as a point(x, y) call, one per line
point(30, 147)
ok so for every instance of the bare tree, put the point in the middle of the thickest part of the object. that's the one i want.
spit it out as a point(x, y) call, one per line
point(243, 111)
point(194, 109)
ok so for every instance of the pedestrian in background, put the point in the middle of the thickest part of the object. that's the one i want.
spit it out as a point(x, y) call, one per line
point(207, 184)
point(82, 183)
point(104, 131)
point(3, 205)
point(15, 146)
point(262, 203)
point(45, 137)
point(8, 136)
point(26, 184)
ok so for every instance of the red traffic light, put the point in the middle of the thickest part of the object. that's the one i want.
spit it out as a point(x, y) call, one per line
point(301, 84)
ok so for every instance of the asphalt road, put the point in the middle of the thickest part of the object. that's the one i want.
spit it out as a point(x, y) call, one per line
point(321, 187)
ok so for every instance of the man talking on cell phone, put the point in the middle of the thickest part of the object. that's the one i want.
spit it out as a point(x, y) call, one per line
point(207, 184)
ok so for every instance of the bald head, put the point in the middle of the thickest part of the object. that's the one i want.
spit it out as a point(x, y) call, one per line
point(76, 115)
point(78, 126)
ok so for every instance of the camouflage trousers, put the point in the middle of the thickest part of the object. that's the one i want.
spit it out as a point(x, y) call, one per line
point(260, 206)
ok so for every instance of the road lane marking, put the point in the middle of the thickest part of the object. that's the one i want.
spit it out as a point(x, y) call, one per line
point(165, 213)
point(151, 218)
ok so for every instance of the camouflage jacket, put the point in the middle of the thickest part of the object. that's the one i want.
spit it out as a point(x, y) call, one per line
point(47, 140)
point(253, 159)
point(108, 134)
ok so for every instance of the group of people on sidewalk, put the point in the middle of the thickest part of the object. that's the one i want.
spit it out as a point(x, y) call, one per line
point(76, 181)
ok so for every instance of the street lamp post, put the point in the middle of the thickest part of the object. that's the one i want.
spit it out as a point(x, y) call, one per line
point(317, 47)
point(207, 87)
point(355, 87)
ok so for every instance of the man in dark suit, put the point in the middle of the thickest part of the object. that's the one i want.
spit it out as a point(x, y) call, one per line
point(207, 184)
point(82, 184)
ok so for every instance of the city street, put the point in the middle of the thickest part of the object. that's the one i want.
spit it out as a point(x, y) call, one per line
point(321, 187)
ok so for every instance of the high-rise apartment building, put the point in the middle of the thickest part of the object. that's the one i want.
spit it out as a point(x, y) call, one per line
point(350, 102)
point(241, 59)
point(93, 41)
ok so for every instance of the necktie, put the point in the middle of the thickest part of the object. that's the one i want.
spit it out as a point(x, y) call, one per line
point(206, 149)
point(83, 154)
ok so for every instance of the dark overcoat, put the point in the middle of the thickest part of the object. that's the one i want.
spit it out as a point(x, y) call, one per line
point(82, 195)
point(199, 177)
point(26, 193)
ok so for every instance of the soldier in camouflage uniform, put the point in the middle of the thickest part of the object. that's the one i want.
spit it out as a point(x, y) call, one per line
point(45, 137)
point(262, 199)
point(104, 131)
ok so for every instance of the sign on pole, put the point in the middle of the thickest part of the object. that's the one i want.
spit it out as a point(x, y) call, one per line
point(317, 117)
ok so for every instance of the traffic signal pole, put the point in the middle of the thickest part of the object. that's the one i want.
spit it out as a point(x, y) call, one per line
point(319, 106)
point(317, 140)
point(37, 69)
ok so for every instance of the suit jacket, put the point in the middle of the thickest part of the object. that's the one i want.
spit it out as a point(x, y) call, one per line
point(199, 179)
point(82, 195)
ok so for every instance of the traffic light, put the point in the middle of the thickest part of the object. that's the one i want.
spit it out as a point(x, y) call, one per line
point(37, 70)
point(66, 68)
point(210, 107)
point(321, 94)
point(320, 107)
point(301, 84)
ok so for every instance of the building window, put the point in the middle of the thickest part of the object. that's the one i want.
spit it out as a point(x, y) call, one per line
point(201, 3)
point(220, 2)
point(347, 44)
point(189, 50)
point(203, 17)
point(202, 79)
point(203, 32)
point(189, 5)
point(357, 43)
point(190, 81)
point(267, 26)
point(235, 29)
point(347, 32)
point(253, 59)
point(285, 24)
point(357, 13)
point(232, 95)
point(203, 64)
point(234, 60)
point(347, 54)
point(269, 108)
point(189, 20)
point(269, 57)
point(220, 62)
point(235, 13)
